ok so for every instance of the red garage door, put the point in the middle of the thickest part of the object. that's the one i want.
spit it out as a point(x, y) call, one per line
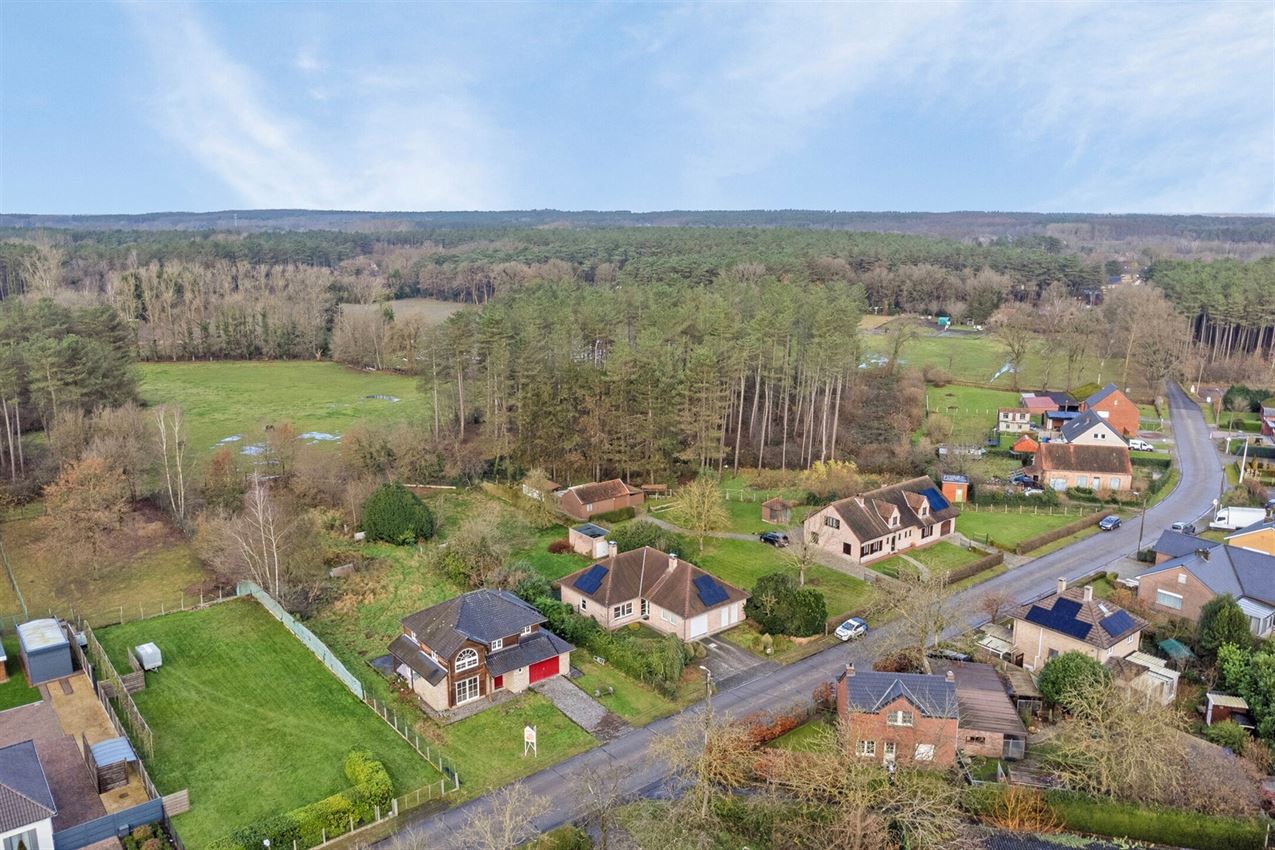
point(544, 669)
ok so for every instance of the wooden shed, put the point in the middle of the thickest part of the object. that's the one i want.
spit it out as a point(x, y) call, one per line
point(777, 511)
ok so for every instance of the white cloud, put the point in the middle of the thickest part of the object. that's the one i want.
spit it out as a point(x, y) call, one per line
point(409, 146)
point(1158, 104)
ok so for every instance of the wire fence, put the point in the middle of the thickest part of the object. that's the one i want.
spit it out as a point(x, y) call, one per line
point(1043, 510)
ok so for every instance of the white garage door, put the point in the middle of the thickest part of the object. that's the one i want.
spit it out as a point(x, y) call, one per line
point(699, 626)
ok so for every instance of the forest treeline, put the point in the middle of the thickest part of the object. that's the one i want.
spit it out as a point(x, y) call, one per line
point(1231, 304)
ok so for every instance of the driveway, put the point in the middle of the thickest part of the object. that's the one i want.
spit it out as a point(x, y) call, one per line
point(790, 686)
point(731, 664)
point(583, 710)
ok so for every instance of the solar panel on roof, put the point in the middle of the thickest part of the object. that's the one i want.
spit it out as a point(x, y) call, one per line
point(1117, 624)
point(1067, 607)
point(1058, 621)
point(710, 592)
point(935, 498)
point(591, 579)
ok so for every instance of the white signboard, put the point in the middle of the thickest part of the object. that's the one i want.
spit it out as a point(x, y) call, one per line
point(529, 741)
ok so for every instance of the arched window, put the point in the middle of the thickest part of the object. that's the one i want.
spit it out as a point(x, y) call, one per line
point(466, 659)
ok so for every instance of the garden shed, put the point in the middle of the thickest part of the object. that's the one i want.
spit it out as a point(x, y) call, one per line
point(777, 511)
point(45, 651)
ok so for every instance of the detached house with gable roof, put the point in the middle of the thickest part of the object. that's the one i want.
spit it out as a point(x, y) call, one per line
point(26, 801)
point(1072, 619)
point(475, 645)
point(1115, 407)
point(646, 585)
point(1182, 586)
point(1259, 537)
point(899, 717)
point(1090, 429)
point(878, 523)
point(599, 497)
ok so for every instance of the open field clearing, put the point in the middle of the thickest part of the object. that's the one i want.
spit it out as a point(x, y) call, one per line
point(228, 399)
point(247, 719)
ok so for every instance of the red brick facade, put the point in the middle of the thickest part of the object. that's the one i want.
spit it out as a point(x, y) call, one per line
point(1172, 584)
point(882, 736)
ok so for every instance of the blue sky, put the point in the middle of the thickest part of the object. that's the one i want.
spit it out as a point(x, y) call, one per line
point(1052, 106)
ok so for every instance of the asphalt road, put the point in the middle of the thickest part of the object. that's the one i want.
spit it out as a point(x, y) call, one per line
point(792, 685)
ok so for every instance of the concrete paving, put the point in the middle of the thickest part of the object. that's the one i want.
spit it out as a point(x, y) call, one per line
point(583, 710)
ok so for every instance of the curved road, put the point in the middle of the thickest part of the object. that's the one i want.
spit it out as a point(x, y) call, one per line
point(631, 754)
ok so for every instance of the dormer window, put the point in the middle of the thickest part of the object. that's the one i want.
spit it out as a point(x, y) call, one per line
point(466, 659)
point(526, 630)
point(498, 643)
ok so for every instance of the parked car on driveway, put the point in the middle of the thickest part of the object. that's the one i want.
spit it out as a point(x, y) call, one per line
point(855, 627)
point(774, 538)
point(1110, 523)
point(1141, 446)
point(1021, 478)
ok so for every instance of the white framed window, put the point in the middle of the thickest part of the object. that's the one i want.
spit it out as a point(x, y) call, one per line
point(622, 610)
point(867, 748)
point(583, 605)
point(668, 617)
point(526, 630)
point(1115, 483)
point(924, 752)
point(1181, 578)
point(832, 522)
point(1169, 600)
point(467, 690)
point(890, 750)
point(498, 643)
point(646, 608)
point(899, 718)
point(589, 507)
point(1082, 480)
point(466, 659)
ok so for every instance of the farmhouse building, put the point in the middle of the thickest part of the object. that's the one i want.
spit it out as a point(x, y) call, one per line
point(1090, 429)
point(1060, 466)
point(899, 717)
point(599, 497)
point(1182, 586)
point(1013, 420)
point(1072, 619)
point(878, 523)
point(646, 585)
point(27, 808)
point(475, 645)
point(1115, 407)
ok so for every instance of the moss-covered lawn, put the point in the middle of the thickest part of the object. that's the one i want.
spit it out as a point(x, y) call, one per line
point(742, 562)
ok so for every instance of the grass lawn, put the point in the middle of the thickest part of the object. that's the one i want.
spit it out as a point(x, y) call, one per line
point(249, 720)
point(237, 398)
point(487, 748)
point(15, 692)
point(944, 556)
point(810, 736)
point(149, 566)
point(742, 562)
point(1010, 528)
point(551, 566)
point(632, 700)
point(972, 410)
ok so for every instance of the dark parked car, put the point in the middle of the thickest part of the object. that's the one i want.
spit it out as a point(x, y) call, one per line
point(1110, 523)
point(774, 538)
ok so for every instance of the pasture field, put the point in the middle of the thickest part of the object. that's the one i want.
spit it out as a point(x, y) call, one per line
point(248, 719)
point(429, 311)
point(226, 399)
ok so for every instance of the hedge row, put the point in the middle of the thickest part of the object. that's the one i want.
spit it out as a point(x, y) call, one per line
point(618, 515)
point(1170, 827)
point(1158, 462)
point(371, 788)
point(974, 568)
point(1031, 544)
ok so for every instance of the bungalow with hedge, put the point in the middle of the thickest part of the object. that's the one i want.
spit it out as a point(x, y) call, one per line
point(878, 523)
point(475, 645)
point(1182, 586)
point(661, 590)
point(584, 501)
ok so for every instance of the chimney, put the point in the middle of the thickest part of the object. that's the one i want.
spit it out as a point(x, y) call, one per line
point(672, 560)
point(1202, 553)
point(1089, 593)
point(1062, 586)
point(849, 669)
point(951, 676)
point(612, 549)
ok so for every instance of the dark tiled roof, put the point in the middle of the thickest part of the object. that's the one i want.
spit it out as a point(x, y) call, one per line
point(598, 491)
point(407, 652)
point(648, 573)
point(543, 644)
point(591, 529)
point(868, 692)
point(1175, 544)
point(1100, 395)
point(480, 615)
point(1072, 458)
point(1243, 573)
point(1096, 622)
point(985, 707)
point(1249, 529)
point(1073, 428)
point(867, 513)
point(25, 797)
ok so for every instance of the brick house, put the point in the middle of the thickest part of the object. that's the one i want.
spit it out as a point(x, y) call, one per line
point(1090, 429)
point(599, 497)
point(1060, 466)
point(1114, 406)
point(899, 717)
point(1072, 619)
point(1013, 420)
point(1182, 586)
point(476, 644)
point(988, 724)
point(663, 591)
point(878, 523)
point(1174, 544)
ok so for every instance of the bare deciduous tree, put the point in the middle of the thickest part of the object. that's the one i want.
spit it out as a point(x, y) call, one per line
point(266, 542)
point(699, 506)
point(502, 822)
point(923, 608)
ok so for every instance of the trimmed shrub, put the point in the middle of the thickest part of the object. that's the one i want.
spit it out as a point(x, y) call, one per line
point(619, 515)
point(1062, 673)
point(560, 547)
point(780, 606)
point(1033, 543)
point(395, 514)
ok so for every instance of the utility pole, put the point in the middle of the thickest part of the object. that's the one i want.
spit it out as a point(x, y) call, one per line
point(708, 696)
